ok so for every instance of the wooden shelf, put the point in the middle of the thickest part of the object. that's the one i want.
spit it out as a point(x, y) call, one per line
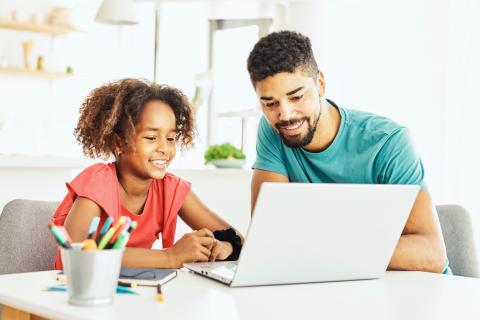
point(34, 73)
point(36, 27)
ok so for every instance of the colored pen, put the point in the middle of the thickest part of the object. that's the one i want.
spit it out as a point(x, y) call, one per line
point(126, 284)
point(116, 233)
point(132, 227)
point(160, 296)
point(93, 227)
point(61, 240)
point(65, 233)
point(106, 225)
point(127, 223)
point(62, 288)
point(110, 232)
point(121, 240)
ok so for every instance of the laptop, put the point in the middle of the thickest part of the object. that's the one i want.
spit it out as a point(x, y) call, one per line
point(316, 232)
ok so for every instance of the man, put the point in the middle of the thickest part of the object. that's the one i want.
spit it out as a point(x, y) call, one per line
point(304, 137)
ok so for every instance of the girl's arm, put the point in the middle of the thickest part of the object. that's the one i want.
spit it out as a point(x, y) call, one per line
point(197, 216)
point(194, 246)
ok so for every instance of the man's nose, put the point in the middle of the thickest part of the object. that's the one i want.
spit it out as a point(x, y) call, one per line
point(286, 111)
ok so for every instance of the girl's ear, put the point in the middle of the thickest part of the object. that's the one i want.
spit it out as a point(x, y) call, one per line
point(118, 146)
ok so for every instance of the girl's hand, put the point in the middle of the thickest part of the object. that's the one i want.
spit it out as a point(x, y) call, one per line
point(220, 250)
point(194, 246)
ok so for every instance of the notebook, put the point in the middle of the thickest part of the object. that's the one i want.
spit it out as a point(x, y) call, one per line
point(147, 277)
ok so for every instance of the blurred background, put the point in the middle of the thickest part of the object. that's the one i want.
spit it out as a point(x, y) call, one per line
point(415, 61)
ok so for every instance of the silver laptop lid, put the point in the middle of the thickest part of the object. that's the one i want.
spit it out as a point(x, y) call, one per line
point(308, 232)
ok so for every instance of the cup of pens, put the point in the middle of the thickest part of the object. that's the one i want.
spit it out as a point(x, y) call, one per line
point(92, 267)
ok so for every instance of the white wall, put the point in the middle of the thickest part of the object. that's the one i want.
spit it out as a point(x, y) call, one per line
point(415, 62)
point(39, 114)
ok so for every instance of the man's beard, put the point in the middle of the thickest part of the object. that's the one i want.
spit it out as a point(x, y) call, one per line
point(298, 141)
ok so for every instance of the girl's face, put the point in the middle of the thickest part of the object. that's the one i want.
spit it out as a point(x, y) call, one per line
point(154, 144)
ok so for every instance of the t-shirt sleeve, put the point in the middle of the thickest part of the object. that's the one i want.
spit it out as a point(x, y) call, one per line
point(269, 150)
point(99, 184)
point(397, 162)
point(175, 192)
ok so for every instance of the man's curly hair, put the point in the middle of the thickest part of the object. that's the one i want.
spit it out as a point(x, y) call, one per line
point(109, 114)
point(282, 51)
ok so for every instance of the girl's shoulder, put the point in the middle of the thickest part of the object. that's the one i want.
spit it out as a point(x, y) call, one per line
point(170, 178)
point(172, 184)
point(97, 173)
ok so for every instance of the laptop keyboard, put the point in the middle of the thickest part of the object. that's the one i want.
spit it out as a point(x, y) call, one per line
point(221, 265)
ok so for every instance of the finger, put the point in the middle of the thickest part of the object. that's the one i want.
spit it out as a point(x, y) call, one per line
point(205, 232)
point(203, 254)
point(206, 241)
point(215, 252)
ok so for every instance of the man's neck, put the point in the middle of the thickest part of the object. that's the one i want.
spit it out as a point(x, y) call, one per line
point(327, 129)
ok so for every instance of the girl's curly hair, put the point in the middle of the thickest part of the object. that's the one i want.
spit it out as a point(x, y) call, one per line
point(109, 114)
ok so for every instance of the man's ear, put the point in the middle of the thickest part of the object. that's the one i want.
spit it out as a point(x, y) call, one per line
point(320, 83)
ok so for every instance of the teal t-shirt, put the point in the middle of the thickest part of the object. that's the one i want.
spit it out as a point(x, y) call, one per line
point(367, 149)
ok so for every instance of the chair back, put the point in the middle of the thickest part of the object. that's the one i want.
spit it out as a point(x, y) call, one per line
point(459, 241)
point(25, 242)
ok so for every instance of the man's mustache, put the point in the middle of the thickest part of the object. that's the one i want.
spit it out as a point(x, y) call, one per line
point(288, 123)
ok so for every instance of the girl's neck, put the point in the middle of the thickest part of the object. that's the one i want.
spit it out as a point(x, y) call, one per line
point(131, 185)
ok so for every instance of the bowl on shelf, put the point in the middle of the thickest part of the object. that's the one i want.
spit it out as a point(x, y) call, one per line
point(228, 163)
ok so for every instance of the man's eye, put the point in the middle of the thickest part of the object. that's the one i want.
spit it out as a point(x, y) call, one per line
point(296, 98)
point(270, 104)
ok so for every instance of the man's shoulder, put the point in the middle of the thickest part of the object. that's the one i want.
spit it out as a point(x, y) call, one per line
point(371, 123)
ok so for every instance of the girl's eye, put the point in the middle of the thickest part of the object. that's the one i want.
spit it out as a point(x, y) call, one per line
point(171, 139)
point(151, 138)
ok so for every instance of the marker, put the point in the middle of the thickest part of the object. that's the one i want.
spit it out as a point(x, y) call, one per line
point(93, 227)
point(132, 227)
point(126, 226)
point(117, 232)
point(126, 284)
point(62, 230)
point(121, 240)
point(110, 233)
point(63, 288)
point(106, 225)
point(59, 237)
point(160, 296)
point(105, 238)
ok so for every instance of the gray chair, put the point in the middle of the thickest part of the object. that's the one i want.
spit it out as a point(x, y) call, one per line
point(459, 241)
point(26, 243)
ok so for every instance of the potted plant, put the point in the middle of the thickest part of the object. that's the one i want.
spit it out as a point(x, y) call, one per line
point(224, 156)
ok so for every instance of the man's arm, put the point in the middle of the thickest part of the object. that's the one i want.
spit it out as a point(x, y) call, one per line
point(261, 176)
point(421, 245)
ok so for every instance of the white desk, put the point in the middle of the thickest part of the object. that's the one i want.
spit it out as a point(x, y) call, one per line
point(400, 295)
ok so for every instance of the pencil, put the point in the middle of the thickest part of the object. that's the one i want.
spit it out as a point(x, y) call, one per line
point(160, 296)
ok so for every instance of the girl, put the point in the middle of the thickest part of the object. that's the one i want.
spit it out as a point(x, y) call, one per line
point(140, 123)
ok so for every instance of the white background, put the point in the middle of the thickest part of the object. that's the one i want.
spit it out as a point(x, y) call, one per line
point(415, 61)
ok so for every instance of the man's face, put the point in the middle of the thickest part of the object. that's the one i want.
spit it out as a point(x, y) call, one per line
point(291, 104)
